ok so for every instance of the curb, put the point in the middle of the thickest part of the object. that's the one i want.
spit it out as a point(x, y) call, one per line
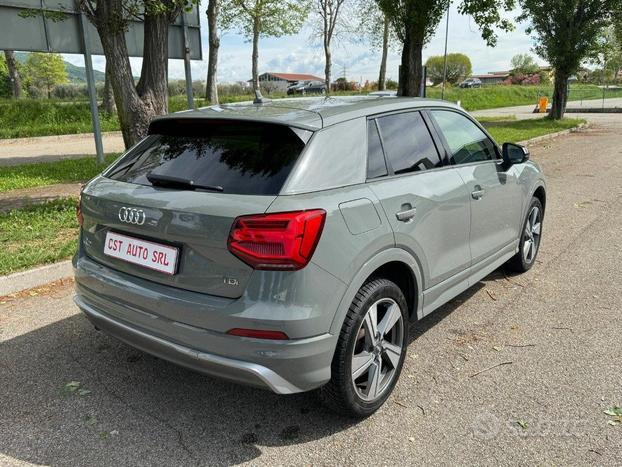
point(550, 136)
point(34, 277)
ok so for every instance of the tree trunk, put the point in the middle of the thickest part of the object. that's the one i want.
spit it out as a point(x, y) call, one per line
point(560, 95)
point(16, 80)
point(211, 87)
point(108, 104)
point(138, 104)
point(256, 30)
point(153, 84)
point(382, 75)
point(328, 66)
point(411, 69)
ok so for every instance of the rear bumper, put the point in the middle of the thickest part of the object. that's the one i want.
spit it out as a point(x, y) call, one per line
point(235, 370)
point(285, 367)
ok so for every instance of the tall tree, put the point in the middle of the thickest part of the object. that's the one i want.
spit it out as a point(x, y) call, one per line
point(14, 76)
point(330, 13)
point(264, 18)
point(46, 70)
point(137, 103)
point(211, 86)
point(524, 64)
point(108, 104)
point(565, 34)
point(608, 54)
point(415, 21)
point(5, 88)
point(374, 27)
point(458, 68)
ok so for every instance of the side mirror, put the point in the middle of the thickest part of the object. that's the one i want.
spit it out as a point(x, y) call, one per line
point(514, 154)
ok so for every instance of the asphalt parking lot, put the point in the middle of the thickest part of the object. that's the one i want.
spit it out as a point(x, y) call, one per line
point(517, 370)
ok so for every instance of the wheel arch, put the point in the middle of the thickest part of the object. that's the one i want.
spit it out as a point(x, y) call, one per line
point(540, 193)
point(394, 264)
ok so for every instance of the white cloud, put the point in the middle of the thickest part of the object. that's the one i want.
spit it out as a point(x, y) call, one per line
point(298, 54)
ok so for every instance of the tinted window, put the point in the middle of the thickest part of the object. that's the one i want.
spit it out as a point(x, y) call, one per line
point(467, 142)
point(407, 143)
point(242, 158)
point(376, 165)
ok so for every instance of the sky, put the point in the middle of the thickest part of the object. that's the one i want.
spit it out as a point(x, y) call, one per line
point(299, 54)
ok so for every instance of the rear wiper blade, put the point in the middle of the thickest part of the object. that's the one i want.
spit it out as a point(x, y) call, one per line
point(171, 181)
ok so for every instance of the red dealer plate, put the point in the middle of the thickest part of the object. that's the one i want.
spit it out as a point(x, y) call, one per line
point(150, 255)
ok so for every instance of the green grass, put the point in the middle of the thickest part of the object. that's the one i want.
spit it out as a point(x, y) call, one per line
point(50, 173)
point(30, 117)
point(36, 235)
point(512, 131)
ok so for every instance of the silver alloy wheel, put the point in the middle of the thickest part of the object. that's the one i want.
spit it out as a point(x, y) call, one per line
point(531, 235)
point(377, 350)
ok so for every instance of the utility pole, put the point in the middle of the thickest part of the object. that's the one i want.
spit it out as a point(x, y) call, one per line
point(445, 64)
point(90, 84)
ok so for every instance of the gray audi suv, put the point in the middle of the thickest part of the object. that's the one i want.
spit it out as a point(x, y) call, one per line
point(290, 244)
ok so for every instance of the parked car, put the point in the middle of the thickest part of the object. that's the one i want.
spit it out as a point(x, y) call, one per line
point(471, 83)
point(288, 245)
point(307, 87)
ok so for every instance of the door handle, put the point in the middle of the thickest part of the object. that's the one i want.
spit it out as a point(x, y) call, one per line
point(406, 216)
point(478, 193)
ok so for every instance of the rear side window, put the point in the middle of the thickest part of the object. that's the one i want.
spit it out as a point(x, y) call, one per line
point(376, 165)
point(241, 157)
point(466, 141)
point(408, 144)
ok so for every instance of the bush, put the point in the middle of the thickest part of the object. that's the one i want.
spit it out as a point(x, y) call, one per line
point(236, 89)
point(341, 84)
point(391, 84)
point(272, 87)
point(458, 68)
point(70, 91)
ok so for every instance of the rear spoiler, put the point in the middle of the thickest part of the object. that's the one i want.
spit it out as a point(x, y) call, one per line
point(196, 125)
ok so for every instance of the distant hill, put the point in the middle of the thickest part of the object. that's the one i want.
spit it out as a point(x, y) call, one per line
point(75, 74)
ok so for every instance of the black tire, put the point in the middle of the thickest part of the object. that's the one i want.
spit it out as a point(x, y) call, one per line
point(340, 394)
point(519, 262)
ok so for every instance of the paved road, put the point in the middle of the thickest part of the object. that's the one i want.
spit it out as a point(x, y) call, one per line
point(526, 111)
point(554, 332)
point(47, 148)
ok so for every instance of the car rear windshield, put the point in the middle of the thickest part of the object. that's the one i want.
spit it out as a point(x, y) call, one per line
point(247, 158)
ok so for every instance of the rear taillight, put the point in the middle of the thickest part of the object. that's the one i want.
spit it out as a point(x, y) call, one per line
point(280, 241)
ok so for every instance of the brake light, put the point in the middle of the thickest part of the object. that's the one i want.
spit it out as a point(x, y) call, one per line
point(280, 241)
point(258, 334)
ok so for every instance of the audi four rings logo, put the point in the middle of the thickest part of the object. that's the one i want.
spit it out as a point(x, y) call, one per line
point(132, 216)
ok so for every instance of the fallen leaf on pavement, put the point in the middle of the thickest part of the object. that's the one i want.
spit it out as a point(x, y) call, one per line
point(614, 411)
